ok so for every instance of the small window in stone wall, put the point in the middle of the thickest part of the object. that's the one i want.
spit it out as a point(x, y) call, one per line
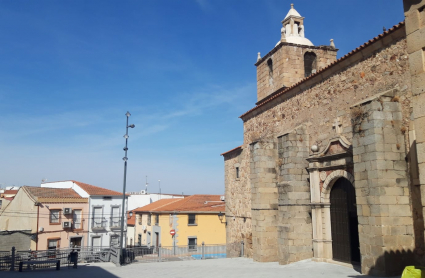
point(270, 65)
point(310, 66)
point(237, 172)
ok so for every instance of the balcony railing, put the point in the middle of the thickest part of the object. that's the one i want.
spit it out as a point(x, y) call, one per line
point(115, 222)
point(99, 223)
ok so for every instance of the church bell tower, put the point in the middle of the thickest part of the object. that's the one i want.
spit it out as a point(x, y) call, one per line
point(292, 59)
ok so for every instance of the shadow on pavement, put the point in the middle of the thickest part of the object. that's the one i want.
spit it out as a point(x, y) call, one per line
point(84, 270)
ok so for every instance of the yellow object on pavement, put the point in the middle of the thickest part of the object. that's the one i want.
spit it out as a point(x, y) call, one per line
point(413, 272)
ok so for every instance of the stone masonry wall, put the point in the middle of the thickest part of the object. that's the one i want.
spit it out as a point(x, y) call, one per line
point(238, 203)
point(382, 186)
point(264, 200)
point(414, 11)
point(294, 215)
point(288, 66)
point(20, 239)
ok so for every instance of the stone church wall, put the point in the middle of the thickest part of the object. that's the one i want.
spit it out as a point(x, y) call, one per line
point(294, 215)
point(238, 203)
point(382, 186)
point(264, 200)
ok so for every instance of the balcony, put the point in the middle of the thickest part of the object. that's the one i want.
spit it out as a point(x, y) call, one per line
point(115, 223)
point(99, 223)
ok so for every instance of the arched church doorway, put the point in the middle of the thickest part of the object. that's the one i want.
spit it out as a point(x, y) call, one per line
point(344, 222)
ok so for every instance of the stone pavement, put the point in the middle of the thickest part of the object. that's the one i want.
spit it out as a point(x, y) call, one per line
point(229, 268)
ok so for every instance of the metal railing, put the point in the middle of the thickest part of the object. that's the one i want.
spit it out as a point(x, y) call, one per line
point(115, 222)
point(177, 253)
point(9, 260)
point(5, 260)
point(99, 223)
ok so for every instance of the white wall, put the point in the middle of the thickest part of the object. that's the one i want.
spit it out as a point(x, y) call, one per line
point(67, 184)
point(131, 234)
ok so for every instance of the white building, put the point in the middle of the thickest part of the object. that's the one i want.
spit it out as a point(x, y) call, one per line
point(104, 213)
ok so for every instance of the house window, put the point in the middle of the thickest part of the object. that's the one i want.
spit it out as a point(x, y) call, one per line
point(53, 244)
point(115, 241)
point(76, 215)
point(98, 217)
point(237, 172)
point(192, 243)
point(1, 201)
point(157, 219)
point(139, 239)
point(149, 219)
point(55, 215)
point(115, 217)
point(96, 241)
point(309, 64)
point(191, 219)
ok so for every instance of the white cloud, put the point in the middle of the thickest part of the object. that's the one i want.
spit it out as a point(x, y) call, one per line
point(204, 4)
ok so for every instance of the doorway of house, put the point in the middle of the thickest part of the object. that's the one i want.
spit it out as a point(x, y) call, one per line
point(344, 222)
point(157, 241)
point(75, 242)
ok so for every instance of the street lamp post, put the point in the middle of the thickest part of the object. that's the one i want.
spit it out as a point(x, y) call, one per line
point(125, 180)
point(159, 185)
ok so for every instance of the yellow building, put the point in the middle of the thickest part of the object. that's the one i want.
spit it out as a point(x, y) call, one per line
point(181, 222)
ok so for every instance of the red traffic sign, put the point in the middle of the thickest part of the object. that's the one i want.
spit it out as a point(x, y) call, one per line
point(172, 232)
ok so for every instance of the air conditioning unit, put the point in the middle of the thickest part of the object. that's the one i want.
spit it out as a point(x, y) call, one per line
point(144, 228)
point(66, 224)
point(222, 198)
point(67, 211)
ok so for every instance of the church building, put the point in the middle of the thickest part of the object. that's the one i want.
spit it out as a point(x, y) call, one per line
point(332, 165)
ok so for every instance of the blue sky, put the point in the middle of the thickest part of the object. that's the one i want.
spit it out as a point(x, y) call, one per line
point(70, 70)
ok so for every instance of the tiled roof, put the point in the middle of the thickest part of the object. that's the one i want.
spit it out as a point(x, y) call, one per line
point(240, 147)
point(47, 192)
point(10, 192)
point(194, 203)
point(156, 205)
point(95, 190)
point(280, 92)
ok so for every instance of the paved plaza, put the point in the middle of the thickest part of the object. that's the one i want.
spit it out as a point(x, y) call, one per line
point(235, 267)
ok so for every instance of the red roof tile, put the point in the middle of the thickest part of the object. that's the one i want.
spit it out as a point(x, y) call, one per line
point(194, 203)
point(95, 190)
point(237, 148)
point(156, 205)
point(47, 192)
point(282, 91)
point(10, 192)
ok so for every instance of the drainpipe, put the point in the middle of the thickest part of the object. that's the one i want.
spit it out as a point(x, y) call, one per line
point(36, 238)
